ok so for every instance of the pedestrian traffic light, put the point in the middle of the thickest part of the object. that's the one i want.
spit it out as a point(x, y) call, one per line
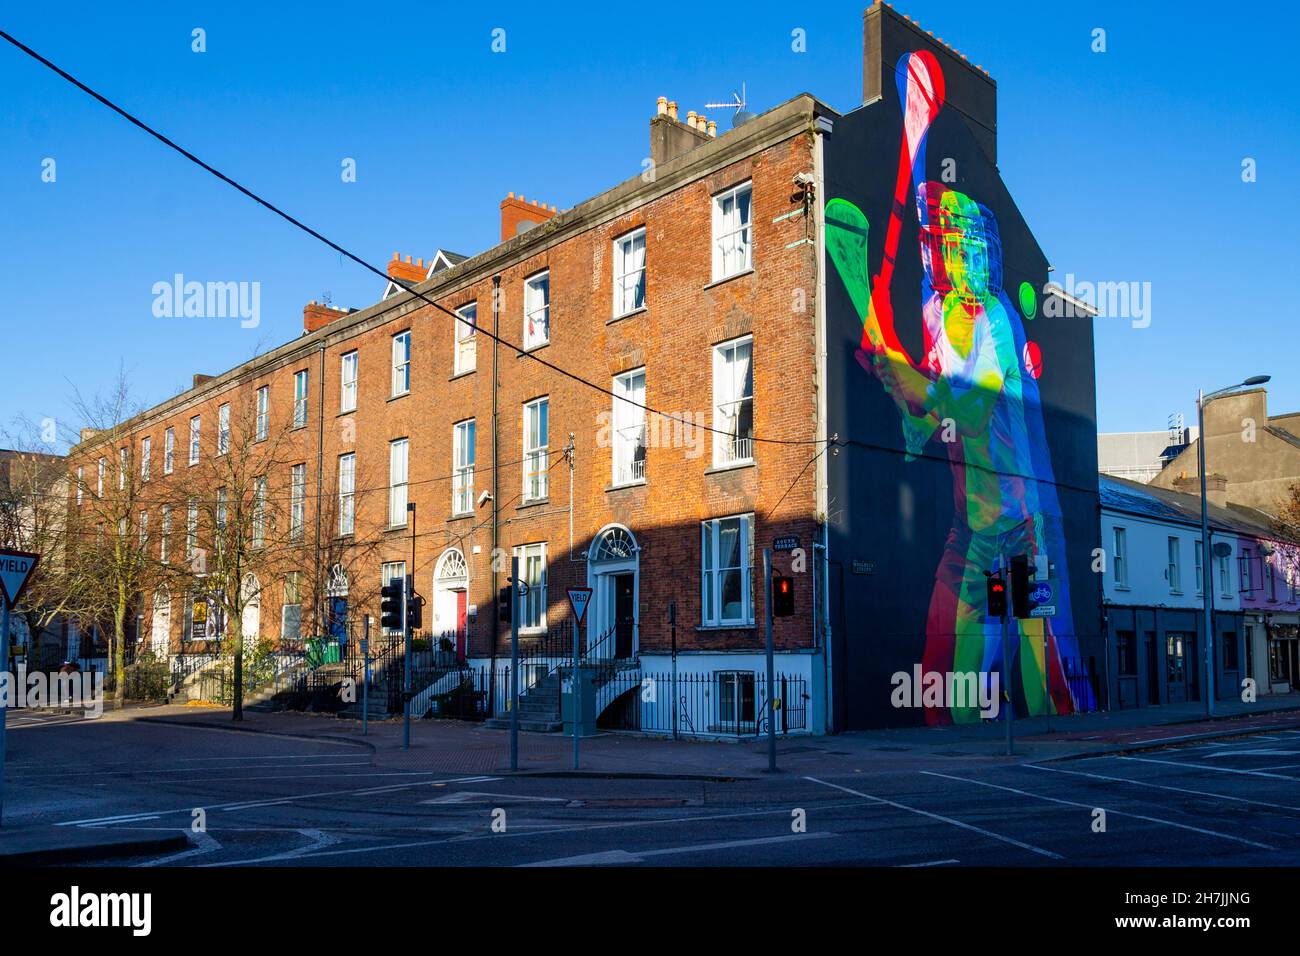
point(415, 612)
point(1020, 586)
point(504, 604)
point(782, 596)
point(997, 596)
point(390, 604)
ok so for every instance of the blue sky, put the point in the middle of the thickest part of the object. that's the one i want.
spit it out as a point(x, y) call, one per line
point(1126, 163)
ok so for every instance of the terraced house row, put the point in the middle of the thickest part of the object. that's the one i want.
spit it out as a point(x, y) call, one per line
point(735, 349)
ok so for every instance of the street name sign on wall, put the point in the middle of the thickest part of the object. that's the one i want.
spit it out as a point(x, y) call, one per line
point(15, 570)
point(579, 598)
point(785, 543)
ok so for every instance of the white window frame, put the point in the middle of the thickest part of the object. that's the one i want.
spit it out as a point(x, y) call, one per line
point(144, 532)
point(123, 463)
point(165, 535)
point(1245, 578)
point(347, 493)
point(263, 417)
point(629, 278)
point(401, 353)
point(297, 500)
point(301, 383)
point(146, 457)
point(536, 448)
point(466, 332)
point(191, 529)
point(1225, 573)
point(1174, 571)
point(712, 573)
point(99, 480)
point(464, 437)
point(390, 572)
point(259, 511)
point(348, 382)
point(1119, 556)
point(1198, 548)
point(628, 418)
point(169, 450)
point(729, 401)
point(223, 429)
point(292, 602)
point(533, 601)
point(81, 482)
point(196, 436)
point(399, 463)
point(537, 314)
point(733, 237)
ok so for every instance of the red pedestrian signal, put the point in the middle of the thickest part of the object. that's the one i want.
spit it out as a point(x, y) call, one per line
point(997, 596)
point(782, 596)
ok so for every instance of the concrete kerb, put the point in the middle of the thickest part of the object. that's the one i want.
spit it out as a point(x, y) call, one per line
point(1166, 742)
point(211, 725)
point(103, 847)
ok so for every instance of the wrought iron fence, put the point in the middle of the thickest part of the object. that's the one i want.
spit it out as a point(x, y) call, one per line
point(722, 703)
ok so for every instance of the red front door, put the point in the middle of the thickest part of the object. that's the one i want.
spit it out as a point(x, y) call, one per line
point(462, 629)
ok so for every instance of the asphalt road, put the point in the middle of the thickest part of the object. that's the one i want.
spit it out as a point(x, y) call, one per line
point(276, 801)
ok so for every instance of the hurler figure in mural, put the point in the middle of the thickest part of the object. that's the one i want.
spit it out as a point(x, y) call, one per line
point(974, 391)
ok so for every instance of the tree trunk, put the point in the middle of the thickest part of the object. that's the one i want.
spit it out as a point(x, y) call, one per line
point(119, 652)
point(238, 711)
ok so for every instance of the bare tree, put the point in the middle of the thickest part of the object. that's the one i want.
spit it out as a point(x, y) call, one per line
point(107, 565)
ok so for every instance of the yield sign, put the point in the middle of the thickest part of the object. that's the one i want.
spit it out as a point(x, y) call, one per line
point(15, 568)
point(579, 598)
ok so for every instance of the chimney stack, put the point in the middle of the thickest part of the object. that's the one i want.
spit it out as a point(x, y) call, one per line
point(406, 272)
point(317, 315)
point(519, 215)
point(670, 137)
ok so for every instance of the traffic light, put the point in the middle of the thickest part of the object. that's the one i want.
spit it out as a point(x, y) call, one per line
point(390, 605)
point(1020, 586)
point(415, 612)
point(504, 604)
point(997, 596)
point(782, 596)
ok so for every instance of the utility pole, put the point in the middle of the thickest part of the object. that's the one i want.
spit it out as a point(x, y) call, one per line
point(514, 662)
point(406, 630)
point(1009, 696)
point(365, 681)
point(672, 619)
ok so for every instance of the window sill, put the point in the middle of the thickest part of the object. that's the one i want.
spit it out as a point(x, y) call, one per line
point(626, 485)
point(1122, 587)
point(733, 466)
point(394, 527)
point(525, 349)
point(533, 503)
point(727, 627)
point(641, 310)
point(462, 374)
point(725, 279)
point(345, 411)
point(460, 515)
point(298, 428)
point(394, 398)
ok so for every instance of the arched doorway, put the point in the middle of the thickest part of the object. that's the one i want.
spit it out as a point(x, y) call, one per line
point(160, 633)
point(614, 576)
point(451, 601)
point(336, 594)
point(251, 621)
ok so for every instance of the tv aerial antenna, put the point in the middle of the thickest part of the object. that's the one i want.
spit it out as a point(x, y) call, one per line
point(737, 103)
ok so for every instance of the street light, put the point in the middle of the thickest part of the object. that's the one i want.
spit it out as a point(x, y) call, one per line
point(1206, 555)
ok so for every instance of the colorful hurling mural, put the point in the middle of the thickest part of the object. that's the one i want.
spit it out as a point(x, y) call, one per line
point(972, 395)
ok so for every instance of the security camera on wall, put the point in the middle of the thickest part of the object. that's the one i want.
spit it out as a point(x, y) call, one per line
point(484, 498)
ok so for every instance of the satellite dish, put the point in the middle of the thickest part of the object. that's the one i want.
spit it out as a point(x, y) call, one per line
point(741, 118)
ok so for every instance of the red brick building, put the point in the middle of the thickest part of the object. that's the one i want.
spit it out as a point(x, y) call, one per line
point(690, 291)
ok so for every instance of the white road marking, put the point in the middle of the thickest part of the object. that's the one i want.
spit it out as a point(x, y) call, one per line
point(1203, 766)
point(248, 805)
point(319, 839)
point(1162, 786)
point(621, 857)
point(909, 866)
point(467, 796)
point(1252, 753)
point(937, 816)
point(206, 844)
point(1118, 813)
point(623, 824)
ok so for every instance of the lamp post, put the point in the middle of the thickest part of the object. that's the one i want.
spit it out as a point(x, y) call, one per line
point(1206, 554)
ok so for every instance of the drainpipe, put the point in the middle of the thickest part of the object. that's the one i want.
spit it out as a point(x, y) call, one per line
point(496, 607)
point(821, 128)
point(320, 464)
